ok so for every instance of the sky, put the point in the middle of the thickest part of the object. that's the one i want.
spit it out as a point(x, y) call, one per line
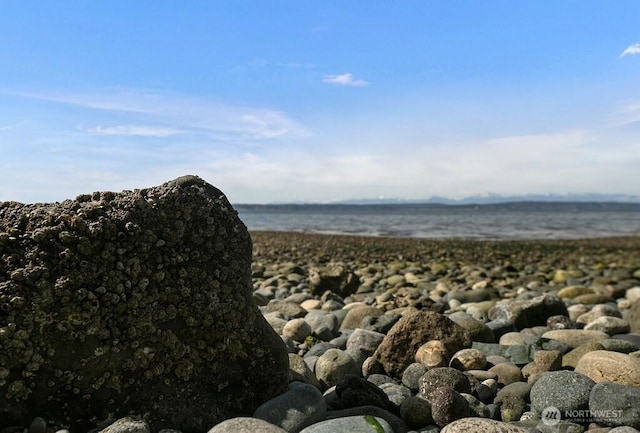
point(317, 101)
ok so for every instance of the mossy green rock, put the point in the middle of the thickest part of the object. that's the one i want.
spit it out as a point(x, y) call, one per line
point(132, 303)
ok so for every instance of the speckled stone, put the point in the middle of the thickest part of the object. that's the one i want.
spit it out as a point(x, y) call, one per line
point(133, 302)
point(613, 396)
point(482, 425)
point(351, 424)
point(565, 390)
point(246, 425)
point(399, 346)
point(606, 366)
point(575, 337)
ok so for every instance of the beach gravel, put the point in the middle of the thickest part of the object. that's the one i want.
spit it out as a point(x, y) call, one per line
point(413, 294)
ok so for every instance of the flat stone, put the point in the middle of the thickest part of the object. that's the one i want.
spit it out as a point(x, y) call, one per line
point(606, 366)
point(530, 312)
point(609, 325)
point(351, 424)
point(127, 425)
point(575, 337)
point(482, 425)
point(245, 425)
point(301, 405)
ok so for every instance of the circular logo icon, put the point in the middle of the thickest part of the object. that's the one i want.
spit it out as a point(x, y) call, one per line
point(550, 415)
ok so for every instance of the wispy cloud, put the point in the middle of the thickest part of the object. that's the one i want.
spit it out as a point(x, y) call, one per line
point(344, 80)
point(631, 49)
point(133, 130)
point(172, 114)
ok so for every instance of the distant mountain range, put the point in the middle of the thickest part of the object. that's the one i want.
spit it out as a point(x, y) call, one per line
point(499, 199)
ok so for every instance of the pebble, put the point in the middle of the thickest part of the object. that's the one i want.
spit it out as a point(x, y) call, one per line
point(468, 359)
point(513, 400)
point(609, 325)
point(411, 376)
point(245, 425)
point(483, 425)
point(444, 377)
point(296, 329)
point(416, 412)
point(301, 405)
point(127, 425)
point(351, 424)
point(333, 365)
point(447, 405)
point(565, 390)
point(507, 373)
point(365, 341)
point(607, 366)
point(607, 396)
point(432, 354)
point(575, 337)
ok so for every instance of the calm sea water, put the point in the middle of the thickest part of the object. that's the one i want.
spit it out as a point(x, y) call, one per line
point(499, 221)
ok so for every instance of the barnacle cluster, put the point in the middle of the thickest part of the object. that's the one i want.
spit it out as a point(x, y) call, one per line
point(143, 293)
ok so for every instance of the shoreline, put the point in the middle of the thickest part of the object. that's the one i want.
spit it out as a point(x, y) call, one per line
point(279, 246)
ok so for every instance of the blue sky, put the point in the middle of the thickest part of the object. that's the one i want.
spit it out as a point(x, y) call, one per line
point(276, 101)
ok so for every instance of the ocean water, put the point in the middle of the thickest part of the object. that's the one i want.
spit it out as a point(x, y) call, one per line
point(530, 220)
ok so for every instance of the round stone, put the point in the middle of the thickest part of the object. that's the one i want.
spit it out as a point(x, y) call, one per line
point(297, 329)
point(606, 366)
point(333, 365)
point(447, 405)
point(432, 354)
point(416, 412)
point(468, 359)
point(564, 390)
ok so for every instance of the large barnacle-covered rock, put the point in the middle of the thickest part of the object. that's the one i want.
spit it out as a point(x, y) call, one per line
point(136, 302)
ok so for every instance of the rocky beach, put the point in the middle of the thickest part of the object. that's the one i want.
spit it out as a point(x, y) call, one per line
point(340, 333)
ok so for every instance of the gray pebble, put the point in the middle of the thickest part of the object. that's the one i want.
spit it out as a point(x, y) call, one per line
point(333, 365)
point(245, 425)
point(564, 390)
point(301, 405)
point(351, 424)
point(625, 400)
point(482, 425)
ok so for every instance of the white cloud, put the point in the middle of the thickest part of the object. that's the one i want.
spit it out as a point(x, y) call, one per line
point(133, 130)
point(631, 49)
point(344, 80)
point(177, 114)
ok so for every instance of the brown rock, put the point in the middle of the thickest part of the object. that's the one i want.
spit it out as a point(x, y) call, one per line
point(336, 277)
point(399, 346)
point(606, 366)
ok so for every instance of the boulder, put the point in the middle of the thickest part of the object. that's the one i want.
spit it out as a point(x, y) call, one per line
point(399, 346)
point(137, 302)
